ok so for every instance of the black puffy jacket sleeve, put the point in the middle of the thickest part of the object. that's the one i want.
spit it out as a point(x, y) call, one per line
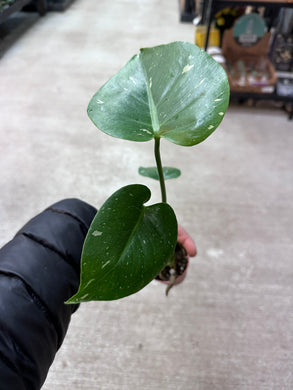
point(39, 271)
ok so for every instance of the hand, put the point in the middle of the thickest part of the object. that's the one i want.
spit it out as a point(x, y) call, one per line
point(185, 240)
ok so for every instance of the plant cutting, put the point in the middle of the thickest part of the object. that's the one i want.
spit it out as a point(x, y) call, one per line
point(175, 92)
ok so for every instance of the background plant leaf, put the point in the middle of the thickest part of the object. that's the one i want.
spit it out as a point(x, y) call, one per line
point(174, 91)
point(152, 172)
point(127, 245)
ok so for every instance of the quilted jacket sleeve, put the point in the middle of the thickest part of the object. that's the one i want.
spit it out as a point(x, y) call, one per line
point(39, 271)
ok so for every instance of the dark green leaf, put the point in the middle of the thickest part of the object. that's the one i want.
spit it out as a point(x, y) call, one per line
point(127, 245)
point(152, 172)
point(174, 91)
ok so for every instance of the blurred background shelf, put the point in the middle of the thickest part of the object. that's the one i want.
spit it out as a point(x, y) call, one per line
point(5, 13)
point(272, 10)
point(58, 5)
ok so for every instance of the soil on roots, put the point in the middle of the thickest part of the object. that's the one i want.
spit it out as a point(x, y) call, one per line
point(181, 261)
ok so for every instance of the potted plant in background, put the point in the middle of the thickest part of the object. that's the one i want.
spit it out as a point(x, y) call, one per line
point(176, 92)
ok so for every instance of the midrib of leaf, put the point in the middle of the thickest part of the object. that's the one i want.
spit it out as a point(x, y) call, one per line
point(185, 107)
point(152, 106)
point(168, 89)
point(120, 255)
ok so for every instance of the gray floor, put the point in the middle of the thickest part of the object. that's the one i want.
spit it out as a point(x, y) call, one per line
point(229, 326)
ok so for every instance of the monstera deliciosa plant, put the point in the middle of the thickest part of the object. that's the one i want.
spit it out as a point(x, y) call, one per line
point(176, 92)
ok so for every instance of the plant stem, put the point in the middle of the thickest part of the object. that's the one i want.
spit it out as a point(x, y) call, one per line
point(160, 169)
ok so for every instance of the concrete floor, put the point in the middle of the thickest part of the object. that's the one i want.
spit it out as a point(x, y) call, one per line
point(229, 326)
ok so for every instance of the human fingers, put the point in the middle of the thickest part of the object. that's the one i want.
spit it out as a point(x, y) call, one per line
point(185, 240)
